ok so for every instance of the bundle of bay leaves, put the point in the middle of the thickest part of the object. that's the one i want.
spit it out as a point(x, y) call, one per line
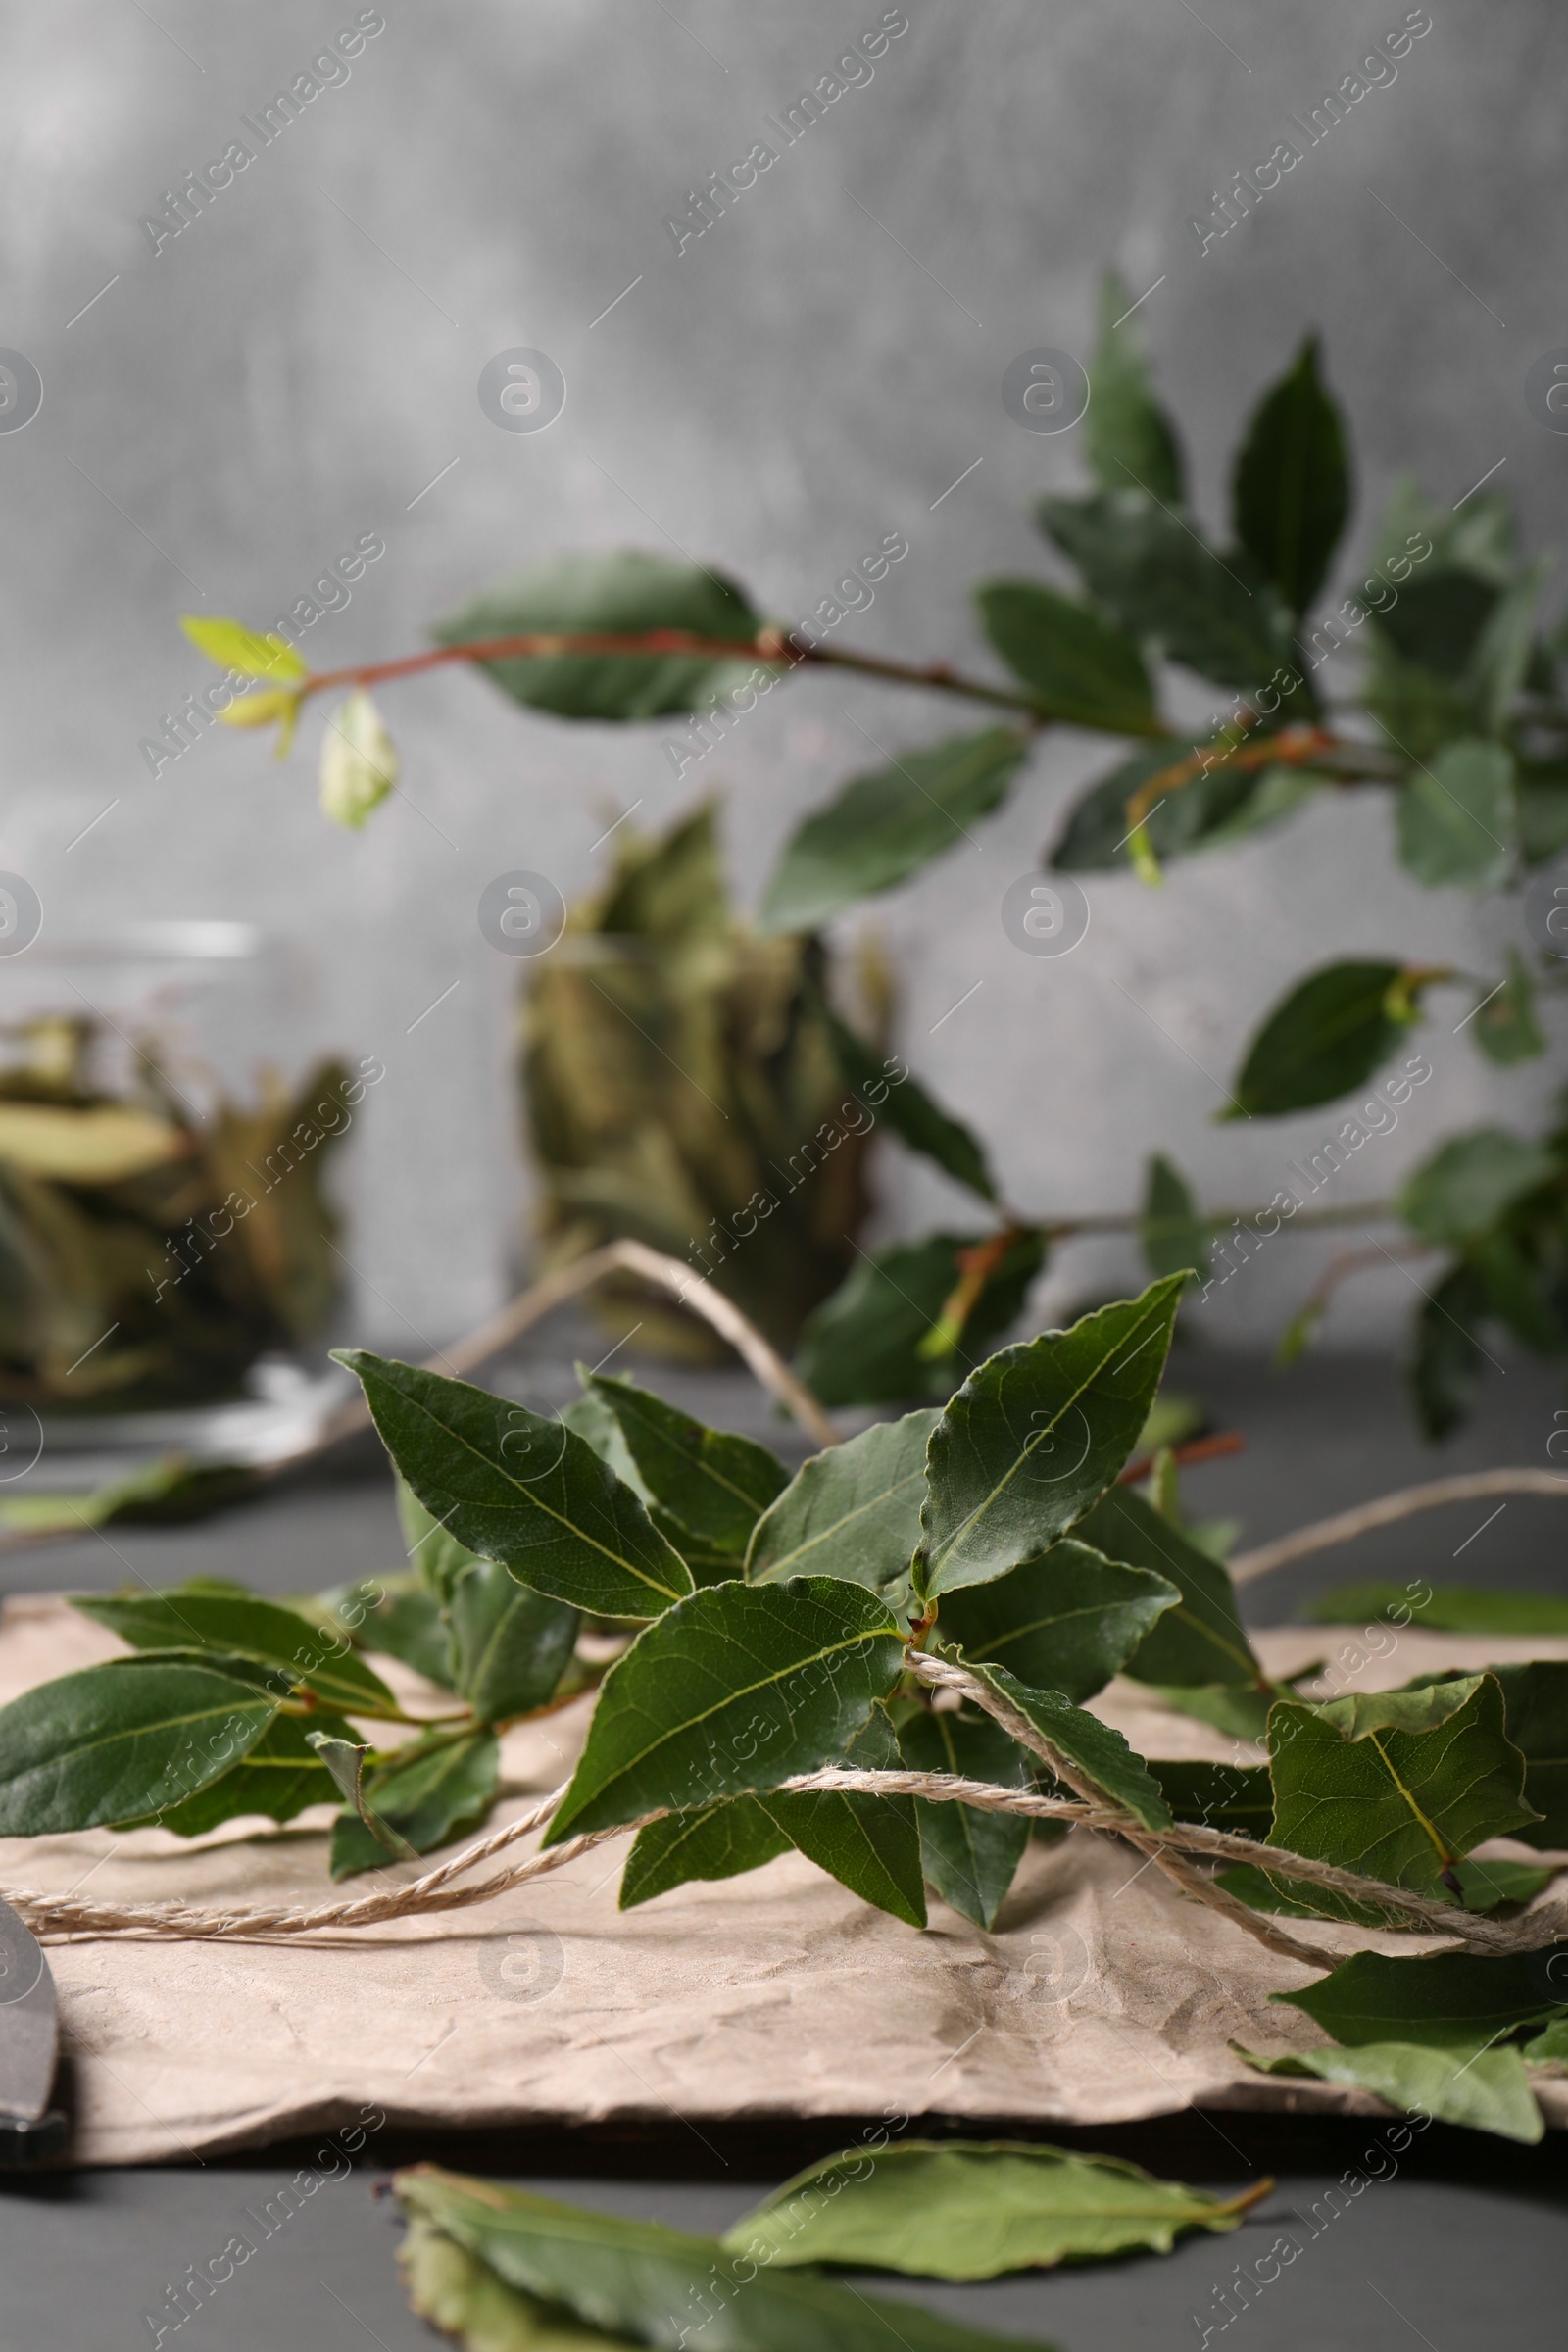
point(150, 1251)
point(682, 1089)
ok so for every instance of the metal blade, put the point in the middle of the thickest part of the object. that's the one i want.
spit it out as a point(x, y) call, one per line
point(27, 2022)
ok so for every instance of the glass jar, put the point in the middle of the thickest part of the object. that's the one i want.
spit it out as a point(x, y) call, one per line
point(167, 1264)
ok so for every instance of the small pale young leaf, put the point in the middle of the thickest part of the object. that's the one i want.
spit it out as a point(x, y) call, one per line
point(1200, 1640)
point(359, 763)
point(972, 2209)
point(731, 1691)
point(232, 645)
point(721, 1840)
point(270, 707)
point(422, 1796)
point(474, 2307)
point(970, 1857)
point(1100, 1753)
point(1396, 1785)
point(1131, 442)
point(1470, 1184)
point(1456, 817)
point(1486, 2090)
point(193, 1619)
point(715, 1485)
point(1172, 1234)
point(1066, 1621)
point(910, 1111)
point(862, 1345)
point(853, 1511)
point(1327, 1036)
point(872, 1844)
point(119, 1742)
point(1036, 1434)
point(1084, 672)
point(517, 1487)
point(620, 2276)
point(885, 826)
point(510, 1646)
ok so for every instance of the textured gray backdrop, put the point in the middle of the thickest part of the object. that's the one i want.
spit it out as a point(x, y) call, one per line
point(293, 369)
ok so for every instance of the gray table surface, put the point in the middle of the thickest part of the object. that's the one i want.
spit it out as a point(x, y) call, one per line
point(1465, 2247)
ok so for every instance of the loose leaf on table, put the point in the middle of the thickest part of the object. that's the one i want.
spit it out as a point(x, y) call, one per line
point(910, 1111)
point(1504, 1023)
point(1396, 1785)
point(1327, 1036)
point(1470, 1183)
point(1291, 492)
point(635, 2277)
point(862, 1345)
point(972, 2209)
point(1065, 1621)
point(853, 1513)
point(278, 1777)
point(1446, 1609)
point(115, 1742)
point(510, 1646)
point(424, 1795)
point(522, 1488)
point(1200, 1641)
point(241, 1625)
point(1171, 1233)
point(1100, 1753)
point(1486, 2090)
point(715, 1485)
point(1086, 672)
point(1150, 569)
point(1129, 440)
point(1458, 819)
point(731, 1691)
point(886, 825)
point(720, 1841)
point(970, 1857)
point(872, 1844)
point(474, 2307)
point(1036, 1434)
point(610, 593)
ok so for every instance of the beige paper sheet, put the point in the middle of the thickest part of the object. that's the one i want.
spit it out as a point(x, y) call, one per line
point(1102, 1996)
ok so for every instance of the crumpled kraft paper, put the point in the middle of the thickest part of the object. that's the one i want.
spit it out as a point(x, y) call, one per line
point(1102, 1995)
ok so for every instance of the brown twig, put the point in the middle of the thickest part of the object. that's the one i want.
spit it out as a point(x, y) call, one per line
point(1346, 1526)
